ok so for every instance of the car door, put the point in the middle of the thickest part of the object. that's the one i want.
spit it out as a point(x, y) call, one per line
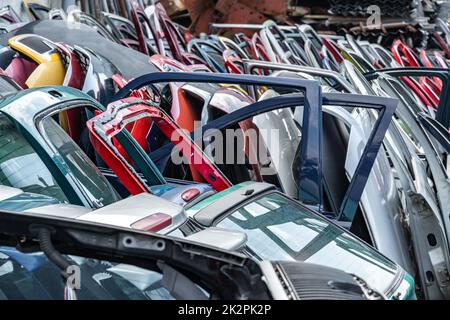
point(132, 164)
point(312, 115)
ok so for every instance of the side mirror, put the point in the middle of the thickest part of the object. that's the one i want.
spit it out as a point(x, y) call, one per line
point(220, 238)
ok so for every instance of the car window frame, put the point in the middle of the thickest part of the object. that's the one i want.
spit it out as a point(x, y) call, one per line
point(58, 108)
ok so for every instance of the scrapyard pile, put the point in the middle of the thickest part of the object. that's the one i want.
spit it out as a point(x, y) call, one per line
point(277, 162)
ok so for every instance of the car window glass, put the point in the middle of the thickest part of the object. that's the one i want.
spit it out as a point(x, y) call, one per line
point(7, 86)
point(281, 229)
point(32, 276)
point(21, 167)
point(93, 183)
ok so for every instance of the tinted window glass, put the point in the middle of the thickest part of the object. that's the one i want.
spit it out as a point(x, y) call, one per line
point(92, 182)
point(7, 86)
point(21, 167)
point(32, 276)
point(37, 44)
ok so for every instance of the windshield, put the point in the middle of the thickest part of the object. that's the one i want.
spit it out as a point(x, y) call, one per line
point(21, 167)
point(90, 179)
point(33, 277)
point(281, 229)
